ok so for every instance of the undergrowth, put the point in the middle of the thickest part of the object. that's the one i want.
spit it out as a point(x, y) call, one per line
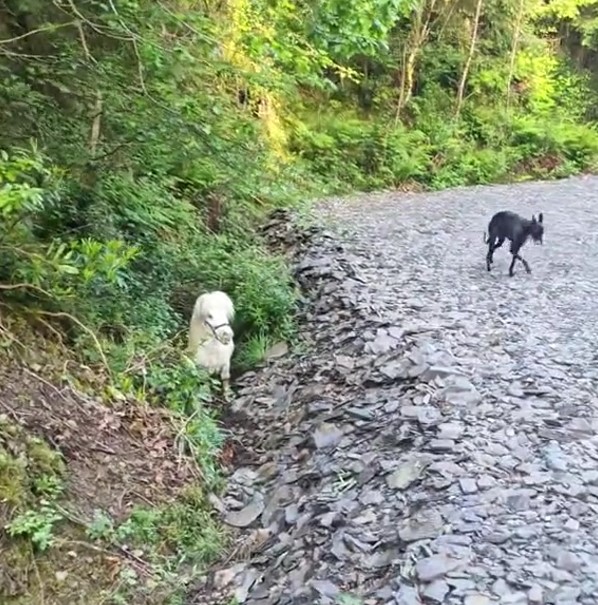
point(482, 148)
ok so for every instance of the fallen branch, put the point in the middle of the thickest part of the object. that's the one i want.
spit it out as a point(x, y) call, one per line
point(46, 382)
point(142, 565)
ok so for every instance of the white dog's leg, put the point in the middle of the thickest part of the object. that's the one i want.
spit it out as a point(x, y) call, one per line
point(225, 377)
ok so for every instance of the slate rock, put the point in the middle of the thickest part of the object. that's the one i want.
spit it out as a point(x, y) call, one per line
point(568, 561)
point(327, 435)
point(434, 372)
point(247, 515)
point(279, 349)
point(407, 595)
point(442, 445)
point(535, 595)
point(408, 471)
point(434, 567)
point(425, 414)
point(396, 370)
point(436, 591)
point(468, 485)
point(477, 599)
point(450, 430)
point(325, 588)
point(426, 523)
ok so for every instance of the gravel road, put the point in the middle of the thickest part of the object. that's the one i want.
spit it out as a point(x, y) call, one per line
point(438, 444)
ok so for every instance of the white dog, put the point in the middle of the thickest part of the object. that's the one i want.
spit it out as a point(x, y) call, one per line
point(211, 336)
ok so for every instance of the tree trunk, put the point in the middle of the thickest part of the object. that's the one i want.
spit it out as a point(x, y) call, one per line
point(417, 40)
point(516, 35)
point(466, 67)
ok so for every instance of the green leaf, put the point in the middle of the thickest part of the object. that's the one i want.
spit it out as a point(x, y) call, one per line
point(69, 269)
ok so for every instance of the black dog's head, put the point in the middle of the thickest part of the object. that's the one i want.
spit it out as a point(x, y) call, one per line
point(536, 228)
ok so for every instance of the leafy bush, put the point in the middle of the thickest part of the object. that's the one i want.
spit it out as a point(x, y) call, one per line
point(573, 147)
point(56, 272)
point(360, 153)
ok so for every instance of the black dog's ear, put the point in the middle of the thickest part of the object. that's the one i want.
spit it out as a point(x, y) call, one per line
point(540, 217)
point(533, 218)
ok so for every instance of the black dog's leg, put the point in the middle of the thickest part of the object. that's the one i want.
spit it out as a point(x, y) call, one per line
point(525, 264)
point(512, 266)
point(492, 246)
point(515, 253)
point(516, 256)
point(489, 256)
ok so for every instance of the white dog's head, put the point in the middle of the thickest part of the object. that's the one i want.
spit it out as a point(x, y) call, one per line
point(216, 310)
point(223, 332)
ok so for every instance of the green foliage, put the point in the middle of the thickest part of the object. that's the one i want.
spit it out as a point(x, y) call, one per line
point(31, 481)
point(57, 272)
point(362, 155)
point(183, 529)
point(101, 527)
point(186, 528)
point(36, 525)
point(254, 351)
point(184, 389)
point(345, 30)
point(174, 538)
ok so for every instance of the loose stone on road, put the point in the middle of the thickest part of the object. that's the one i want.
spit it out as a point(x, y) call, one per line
point(438, 442)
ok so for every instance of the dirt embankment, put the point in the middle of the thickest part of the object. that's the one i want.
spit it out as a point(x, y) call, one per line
point(86, 490)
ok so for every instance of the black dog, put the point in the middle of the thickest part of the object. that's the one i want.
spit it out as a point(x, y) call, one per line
point(511, 226)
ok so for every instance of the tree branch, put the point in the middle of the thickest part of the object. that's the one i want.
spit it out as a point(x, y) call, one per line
point(39, 30)
point(95, 126)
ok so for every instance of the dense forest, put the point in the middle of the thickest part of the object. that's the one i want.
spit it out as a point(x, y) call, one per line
point(142, 141)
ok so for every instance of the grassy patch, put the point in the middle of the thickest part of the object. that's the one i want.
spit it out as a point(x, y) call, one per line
point(176, 541)
point(253, 351)
point(358, 152)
